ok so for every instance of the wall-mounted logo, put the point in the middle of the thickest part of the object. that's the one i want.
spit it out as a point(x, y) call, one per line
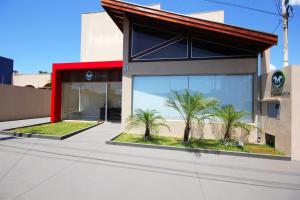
point(278, 79)
point(89, 75)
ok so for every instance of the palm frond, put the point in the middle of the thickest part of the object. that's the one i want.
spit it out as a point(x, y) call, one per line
point(146, 118)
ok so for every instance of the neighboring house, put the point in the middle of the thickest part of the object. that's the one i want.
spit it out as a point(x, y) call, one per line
point(32, 80)
point(6, 70)
point(133, 57)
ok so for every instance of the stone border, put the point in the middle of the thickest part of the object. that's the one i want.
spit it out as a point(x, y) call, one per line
point(52, 137)
point(26, 126)
point(198, 150)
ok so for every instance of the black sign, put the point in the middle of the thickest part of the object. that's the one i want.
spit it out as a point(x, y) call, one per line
point(101, 75)
point(278, 79)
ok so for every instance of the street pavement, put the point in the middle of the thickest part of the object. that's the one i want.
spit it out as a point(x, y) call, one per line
point(84, 167)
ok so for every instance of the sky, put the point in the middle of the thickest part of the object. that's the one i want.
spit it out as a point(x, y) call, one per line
point(37, 33)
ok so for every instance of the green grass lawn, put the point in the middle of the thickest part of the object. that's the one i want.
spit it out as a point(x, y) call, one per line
point(56, 129)
point(197, 143)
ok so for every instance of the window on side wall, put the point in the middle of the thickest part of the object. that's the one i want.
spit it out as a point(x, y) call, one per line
point(273, 109)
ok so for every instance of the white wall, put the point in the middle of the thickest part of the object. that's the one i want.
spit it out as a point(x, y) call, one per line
point(215, 16)
point(101, 40)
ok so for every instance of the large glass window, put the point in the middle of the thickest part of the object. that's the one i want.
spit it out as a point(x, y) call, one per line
point(144, 37)
point(160, 43)
point(174, 50)
point(83, 100)
point(207, 49)
point(150, 92)
point(150, 44)
point(228, 89)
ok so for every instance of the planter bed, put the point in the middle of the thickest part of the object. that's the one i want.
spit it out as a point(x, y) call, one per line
point(196, 145)
point(55, 131)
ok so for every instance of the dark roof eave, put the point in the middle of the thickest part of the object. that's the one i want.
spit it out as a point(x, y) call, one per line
point(115, 7)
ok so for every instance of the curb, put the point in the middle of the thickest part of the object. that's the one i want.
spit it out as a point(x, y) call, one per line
point(199, 150)
point(51, 137)
point(26, 126)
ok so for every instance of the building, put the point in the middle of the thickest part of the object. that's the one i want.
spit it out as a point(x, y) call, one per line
point(6, 70)
point(133, 56)
point(32, 80)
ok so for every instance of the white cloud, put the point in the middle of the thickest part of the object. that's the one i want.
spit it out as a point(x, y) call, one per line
point(272, 67)
point(294, 2)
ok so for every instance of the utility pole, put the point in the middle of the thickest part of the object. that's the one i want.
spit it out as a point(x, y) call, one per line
point(285, 15)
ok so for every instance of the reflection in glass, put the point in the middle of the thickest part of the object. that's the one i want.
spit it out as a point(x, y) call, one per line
point(144, 38)
point(228, 89)
point(150, 92)
point(207, 49)
point(83, 101)
point(114, 102)
point(175, 50)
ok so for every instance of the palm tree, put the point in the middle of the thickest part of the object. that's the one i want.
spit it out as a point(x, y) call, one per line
point(190, 107)
point(232, 119)
point(150, 119)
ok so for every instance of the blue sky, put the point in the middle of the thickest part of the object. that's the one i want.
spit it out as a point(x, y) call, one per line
point(38, 33)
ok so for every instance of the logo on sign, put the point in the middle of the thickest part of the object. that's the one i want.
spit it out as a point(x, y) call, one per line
point(278, 79)
point(89, 75)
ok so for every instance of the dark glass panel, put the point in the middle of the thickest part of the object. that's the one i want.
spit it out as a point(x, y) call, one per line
point(104, 75)
point(206, 49)
point(144, 38)
point(172, 51)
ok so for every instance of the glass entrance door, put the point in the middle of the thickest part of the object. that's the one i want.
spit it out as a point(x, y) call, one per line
point(114, 102)
point(83, 101)
point(91, 101)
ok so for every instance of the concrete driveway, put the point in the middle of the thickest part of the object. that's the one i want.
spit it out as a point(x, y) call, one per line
point(84, 167)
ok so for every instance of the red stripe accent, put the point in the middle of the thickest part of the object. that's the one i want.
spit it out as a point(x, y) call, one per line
point(57, 68)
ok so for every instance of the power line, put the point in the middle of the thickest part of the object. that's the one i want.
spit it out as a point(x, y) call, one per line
point(277, 5)
point(244, 7)
point(276, 27)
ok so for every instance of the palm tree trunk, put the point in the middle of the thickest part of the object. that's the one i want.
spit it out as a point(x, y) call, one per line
point(227, 133)
point(147, 133)
point(186, 133)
